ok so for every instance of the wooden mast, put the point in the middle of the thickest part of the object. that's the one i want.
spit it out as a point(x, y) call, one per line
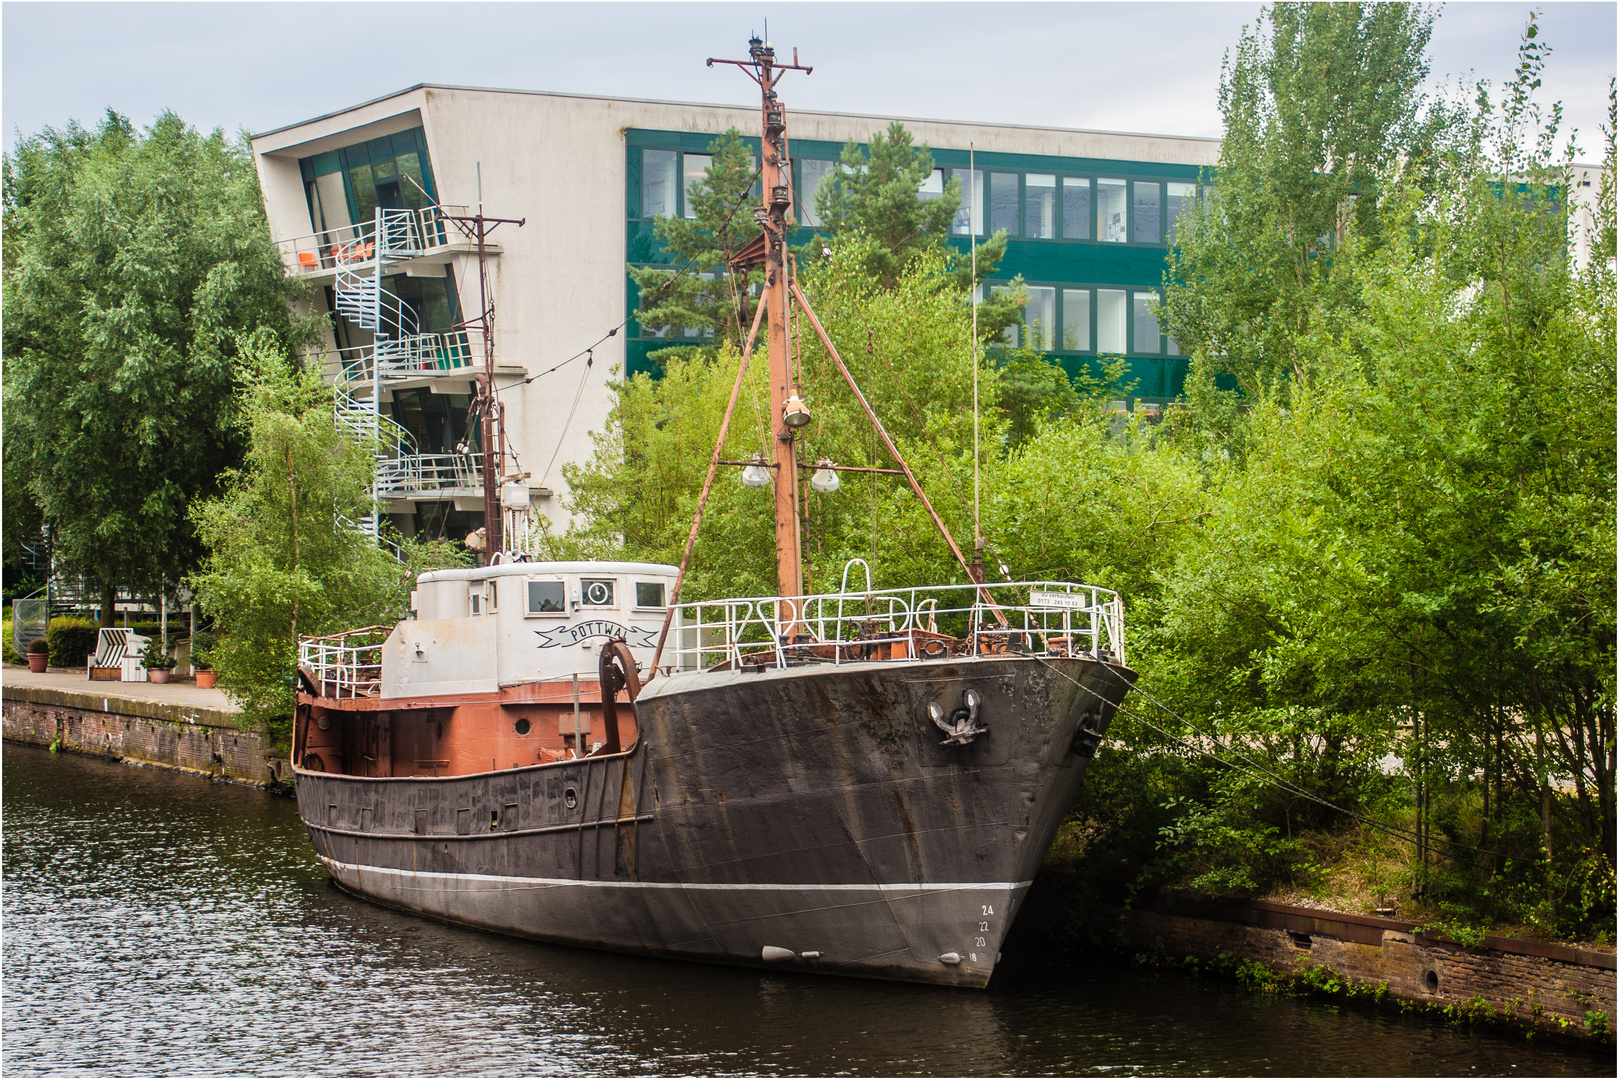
point(774, 217)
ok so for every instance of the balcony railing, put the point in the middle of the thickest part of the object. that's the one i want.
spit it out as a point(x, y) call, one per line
point(399, 477)
point(403, 233)
point(414, 357)
point(1028, 618)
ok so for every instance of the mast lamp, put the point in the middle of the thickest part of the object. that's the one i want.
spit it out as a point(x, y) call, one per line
point(794, 413)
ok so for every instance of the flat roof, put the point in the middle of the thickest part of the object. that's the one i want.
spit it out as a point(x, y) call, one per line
point(712, 105)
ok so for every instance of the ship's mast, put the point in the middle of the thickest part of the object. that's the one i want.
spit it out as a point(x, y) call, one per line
point(488, 407)
point(773, 217)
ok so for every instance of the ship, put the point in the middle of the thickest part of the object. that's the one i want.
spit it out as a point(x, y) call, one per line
point(861, 782)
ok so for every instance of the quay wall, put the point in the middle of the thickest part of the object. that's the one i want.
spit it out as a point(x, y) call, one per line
point(205, 742)
point(1532, 984)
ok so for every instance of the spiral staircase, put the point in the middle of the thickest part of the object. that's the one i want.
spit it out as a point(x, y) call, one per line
point(399, 350)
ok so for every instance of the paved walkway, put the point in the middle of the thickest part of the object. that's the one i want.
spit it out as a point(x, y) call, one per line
point(76, 680)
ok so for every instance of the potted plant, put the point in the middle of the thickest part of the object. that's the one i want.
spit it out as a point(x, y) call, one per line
point(202, 661)
point(157, 661)
point(39, 654)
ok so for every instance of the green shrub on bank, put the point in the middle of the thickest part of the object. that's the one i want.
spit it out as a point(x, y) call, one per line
point(71, 638)
point(8, 652)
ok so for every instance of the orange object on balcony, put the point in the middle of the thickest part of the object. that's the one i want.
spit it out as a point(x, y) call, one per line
point(307, 260)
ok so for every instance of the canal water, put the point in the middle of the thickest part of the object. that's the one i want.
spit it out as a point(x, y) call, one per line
point(160, 923)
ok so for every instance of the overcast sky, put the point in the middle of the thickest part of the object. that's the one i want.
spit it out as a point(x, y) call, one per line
point(1148, 67)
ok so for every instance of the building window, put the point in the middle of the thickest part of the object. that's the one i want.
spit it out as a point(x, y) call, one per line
point(1148, 205)
point(1076, 208)
point(970, 213)
point(657, 183)
point(1110, 320)
point(1076, 320)
point(1145, 322)
point(1110, 211)
point(933, 186)
point(1041, 317)
point(812, 173)
point(1009, 335)
point(1040, 206)
point(1003, 202)
point(1177, 200)
point(696, 166)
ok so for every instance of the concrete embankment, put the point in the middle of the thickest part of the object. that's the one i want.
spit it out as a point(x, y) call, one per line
point(1531, 984)
point(173, 726)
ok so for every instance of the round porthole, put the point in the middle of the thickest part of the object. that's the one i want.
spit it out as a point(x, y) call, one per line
point(323, 721)
point(522, 727)
point(571, 797)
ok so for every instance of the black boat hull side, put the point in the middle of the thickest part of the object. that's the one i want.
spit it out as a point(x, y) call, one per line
point(805, 811)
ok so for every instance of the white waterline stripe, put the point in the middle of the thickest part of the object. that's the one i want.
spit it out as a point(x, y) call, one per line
point(952, 886)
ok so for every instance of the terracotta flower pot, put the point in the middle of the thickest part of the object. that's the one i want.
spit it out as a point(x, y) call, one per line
point(37, 661)
point(206, 679)
point(157, 675)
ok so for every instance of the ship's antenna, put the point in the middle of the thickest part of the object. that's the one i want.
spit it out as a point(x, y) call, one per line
point(972, 239)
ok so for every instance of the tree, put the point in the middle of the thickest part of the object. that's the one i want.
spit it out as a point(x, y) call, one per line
point(132, 261)
point(707, 299)
point(879, 194)
point(1322, 112)
point(284, 559)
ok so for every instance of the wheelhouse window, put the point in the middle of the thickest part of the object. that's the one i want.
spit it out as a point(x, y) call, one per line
point(649, 594)
point(546, 598)
point(595, 592)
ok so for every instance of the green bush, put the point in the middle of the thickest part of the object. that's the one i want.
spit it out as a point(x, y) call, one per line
point(39, 645)
point(202, 645)
point(156, 657)
point(8, 652)
point(71, 639)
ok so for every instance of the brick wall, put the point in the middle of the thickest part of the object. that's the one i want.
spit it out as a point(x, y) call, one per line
point(1530, 982)
point(190, 740)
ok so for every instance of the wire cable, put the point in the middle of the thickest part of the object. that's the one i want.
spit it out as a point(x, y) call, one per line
point(646, 302)
point(1256, 770)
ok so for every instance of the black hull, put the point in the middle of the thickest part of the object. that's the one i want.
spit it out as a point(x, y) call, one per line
point(806, 819)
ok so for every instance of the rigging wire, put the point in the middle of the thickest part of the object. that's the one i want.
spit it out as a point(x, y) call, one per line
point(1259, 771)
point(646, 302)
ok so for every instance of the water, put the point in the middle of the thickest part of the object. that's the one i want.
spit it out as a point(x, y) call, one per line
point(159, 923)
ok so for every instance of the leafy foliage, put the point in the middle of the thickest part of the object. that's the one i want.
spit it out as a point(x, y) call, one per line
point(709, 299)
point(284, 558)
point(131, 262)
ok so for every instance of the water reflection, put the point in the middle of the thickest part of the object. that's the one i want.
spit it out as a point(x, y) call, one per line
point(158, 923)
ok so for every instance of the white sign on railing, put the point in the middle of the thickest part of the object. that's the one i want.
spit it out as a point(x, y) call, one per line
point(1075, 601)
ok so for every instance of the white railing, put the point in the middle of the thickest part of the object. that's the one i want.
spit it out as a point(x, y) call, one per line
point(1041, 618)
point(404, 233)
point(345, 665)
point(414, 357)
point(429, 472)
